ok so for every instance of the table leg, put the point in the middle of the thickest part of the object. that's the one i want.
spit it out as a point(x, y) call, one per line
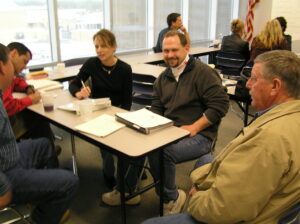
point(74, 163)
point(161, 182)
point(122, 188)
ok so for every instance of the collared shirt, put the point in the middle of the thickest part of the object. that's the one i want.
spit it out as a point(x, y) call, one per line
point(9, 152)
point(259, 113)
point(180, 68)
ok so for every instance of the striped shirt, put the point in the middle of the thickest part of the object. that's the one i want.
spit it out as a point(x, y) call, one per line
point(9, 152)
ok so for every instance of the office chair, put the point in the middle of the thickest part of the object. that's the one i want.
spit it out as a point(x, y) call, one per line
point(142, 89)
point(230, 64)
point(13, 214)
point(75, 61)
point(155, 50)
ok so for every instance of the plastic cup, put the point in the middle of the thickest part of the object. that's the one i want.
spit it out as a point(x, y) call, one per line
point(60, 67)
point(48, 101)
point(85, 107)
point(216, 43)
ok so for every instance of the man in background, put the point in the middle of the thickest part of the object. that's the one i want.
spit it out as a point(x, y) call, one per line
point(174, 22)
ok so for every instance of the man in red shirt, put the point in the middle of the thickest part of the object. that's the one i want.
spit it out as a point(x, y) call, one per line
point(24, 123)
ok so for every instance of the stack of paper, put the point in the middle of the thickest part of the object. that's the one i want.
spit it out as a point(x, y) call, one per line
point(100, 126)
point(44, 84)
point(98, 104)
point(144, 120)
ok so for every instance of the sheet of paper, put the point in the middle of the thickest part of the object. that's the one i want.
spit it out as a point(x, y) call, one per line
point(100, 126)
point(144, 118)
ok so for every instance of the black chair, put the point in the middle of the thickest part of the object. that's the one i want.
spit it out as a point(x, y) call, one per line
point(292, 216)
point(155, 50)
point(142, 89)
point(230, 64)
point(75, 61)
point(14, 214)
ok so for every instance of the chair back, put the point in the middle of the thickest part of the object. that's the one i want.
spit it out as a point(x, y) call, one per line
point(142, 89)
point(292, 216)
point(75, 61)
point(230, 63)
point(155, 50)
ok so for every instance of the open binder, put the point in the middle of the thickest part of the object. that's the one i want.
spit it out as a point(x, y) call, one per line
point(143, 120)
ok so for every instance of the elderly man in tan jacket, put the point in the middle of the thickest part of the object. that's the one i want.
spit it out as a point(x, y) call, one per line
point(256, 178)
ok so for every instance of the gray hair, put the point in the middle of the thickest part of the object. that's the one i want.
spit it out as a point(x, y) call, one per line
point(282, 64)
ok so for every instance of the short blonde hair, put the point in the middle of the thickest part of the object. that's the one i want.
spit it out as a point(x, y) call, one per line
point(106, 37)
point(237, 26)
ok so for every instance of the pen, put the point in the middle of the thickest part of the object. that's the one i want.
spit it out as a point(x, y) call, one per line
point(82, 83)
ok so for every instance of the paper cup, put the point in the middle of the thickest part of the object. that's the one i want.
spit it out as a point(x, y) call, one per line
point(60, 67)
point(85, 107)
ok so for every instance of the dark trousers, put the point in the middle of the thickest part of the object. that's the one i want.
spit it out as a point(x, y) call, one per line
point(51, 190)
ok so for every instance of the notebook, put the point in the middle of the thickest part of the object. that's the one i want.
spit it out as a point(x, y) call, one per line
point(144, 120)
point(44, 84)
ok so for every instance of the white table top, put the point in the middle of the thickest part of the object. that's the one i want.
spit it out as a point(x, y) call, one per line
point(126, 140)
point(139, 64)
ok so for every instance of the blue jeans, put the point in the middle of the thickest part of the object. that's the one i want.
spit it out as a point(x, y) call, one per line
point(51, 190)
point(183, 218)
point(182, 151)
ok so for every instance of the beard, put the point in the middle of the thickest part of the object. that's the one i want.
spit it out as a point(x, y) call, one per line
point(172, 62)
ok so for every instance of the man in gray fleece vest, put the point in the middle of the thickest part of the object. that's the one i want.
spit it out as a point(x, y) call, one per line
point(191, 94)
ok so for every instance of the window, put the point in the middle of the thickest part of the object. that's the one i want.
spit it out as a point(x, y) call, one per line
point(162, 8)
point(199, 20)
point(129, 24)
point(57, 34)
point(78, 22)
point(27, 22)
point(224, 17)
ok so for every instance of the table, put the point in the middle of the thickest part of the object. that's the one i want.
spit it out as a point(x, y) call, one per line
point(125, 142)
point(140, 64)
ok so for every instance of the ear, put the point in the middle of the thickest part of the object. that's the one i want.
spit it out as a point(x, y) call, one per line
point(187, 48)
point(276, 86)
point(1, 68)
point(13, 53)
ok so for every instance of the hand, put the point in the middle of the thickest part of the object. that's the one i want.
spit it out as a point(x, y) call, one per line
point(191, 128)
point(183, 29)
point(192, 191)
point(83, 93)
point(5, 199)
point(35, 97)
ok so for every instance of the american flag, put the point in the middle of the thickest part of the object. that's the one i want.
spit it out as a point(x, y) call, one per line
point(249, 20)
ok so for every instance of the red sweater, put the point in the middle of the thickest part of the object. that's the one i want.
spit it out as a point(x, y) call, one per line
point(11, 104)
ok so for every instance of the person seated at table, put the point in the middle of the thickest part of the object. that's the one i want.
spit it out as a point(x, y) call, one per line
point(256, 177)
point(234, 43)
point(270, 38)
point(174, 22)
point(24, 123)
point(109, 77)
point(26, 174)
point(288, 37)
point(191, 94)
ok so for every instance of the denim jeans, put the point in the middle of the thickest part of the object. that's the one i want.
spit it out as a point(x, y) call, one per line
point(182, 151)
point(51, 190)
point(183, 218)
